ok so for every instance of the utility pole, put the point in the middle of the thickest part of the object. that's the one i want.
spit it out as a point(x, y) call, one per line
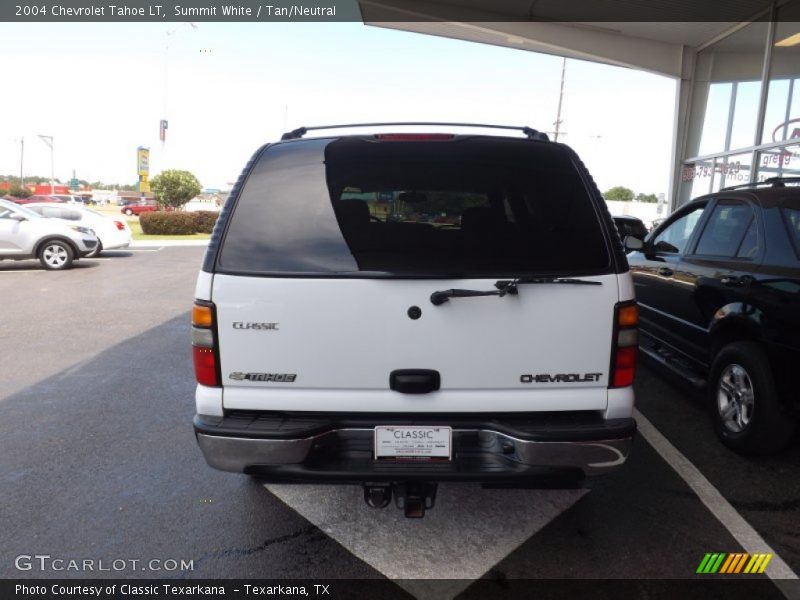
point(48, 139)
point(560, 99)
point(164, 122)
point(21, 154)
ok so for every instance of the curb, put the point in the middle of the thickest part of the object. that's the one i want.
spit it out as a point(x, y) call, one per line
point(160, 243)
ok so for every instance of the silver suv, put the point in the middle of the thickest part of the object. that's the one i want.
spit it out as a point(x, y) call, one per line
point(56, 243)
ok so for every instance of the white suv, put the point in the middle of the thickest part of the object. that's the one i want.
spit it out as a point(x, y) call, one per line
point(56, 243)
point(401, 309)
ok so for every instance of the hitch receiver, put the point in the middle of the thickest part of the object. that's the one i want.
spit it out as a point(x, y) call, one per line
point(414, 497)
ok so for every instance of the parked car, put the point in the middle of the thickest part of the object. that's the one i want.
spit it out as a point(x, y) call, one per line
point(111, 233)
point(38, 198)
point(139, 208)
point(72, 199)
point(718, 286)
point(56, 243)
point(395, 353)
point(627, 225)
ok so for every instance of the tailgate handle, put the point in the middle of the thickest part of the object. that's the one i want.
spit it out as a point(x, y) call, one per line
point(414, 381)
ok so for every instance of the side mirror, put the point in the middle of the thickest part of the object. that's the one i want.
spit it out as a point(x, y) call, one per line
point(663, 246)
point(632, 243)
point(18, 217)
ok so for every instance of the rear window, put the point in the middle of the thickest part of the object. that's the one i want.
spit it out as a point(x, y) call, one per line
point(469, 207)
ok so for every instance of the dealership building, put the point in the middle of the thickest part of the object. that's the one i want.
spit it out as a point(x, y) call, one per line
point(737, 101)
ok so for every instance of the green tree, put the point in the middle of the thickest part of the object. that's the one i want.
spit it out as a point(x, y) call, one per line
point(646, 198)
point(619, 193)
point(175, 187)
point(28, 179)
point(18, 192)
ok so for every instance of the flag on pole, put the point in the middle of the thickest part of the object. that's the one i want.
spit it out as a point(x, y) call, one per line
point(162, 130)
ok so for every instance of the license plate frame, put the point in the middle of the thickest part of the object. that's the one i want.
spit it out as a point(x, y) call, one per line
point(414, 442)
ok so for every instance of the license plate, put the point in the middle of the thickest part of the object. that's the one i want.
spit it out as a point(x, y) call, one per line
point(411, 442)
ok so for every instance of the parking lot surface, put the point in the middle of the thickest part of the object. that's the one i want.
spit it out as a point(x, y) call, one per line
point(99, 461)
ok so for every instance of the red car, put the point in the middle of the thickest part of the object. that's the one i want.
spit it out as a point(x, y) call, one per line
point(31, 199)
point(139, 208)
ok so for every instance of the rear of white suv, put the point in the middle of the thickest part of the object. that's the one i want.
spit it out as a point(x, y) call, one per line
point(401, 308)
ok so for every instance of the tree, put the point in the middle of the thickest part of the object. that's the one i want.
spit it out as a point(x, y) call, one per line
point(619, 193)
point(646, 198)
point(18, 191)
point(175, 187)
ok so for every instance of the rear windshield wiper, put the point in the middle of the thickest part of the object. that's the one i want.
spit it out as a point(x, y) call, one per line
point(442, 296)
point(504, 287)
point(510, 285)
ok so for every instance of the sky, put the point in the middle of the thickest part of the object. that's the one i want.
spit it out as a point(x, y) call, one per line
point(100, 90)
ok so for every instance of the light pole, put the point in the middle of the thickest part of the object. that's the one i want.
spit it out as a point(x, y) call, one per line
point(48, 139)
point(164, 121)
point(560, 99)
point(21, 154)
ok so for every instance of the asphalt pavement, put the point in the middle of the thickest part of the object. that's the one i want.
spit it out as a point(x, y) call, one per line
point(99, 462)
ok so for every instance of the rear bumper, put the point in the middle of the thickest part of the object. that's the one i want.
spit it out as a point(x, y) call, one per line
point(85, 246)
point(511, 448)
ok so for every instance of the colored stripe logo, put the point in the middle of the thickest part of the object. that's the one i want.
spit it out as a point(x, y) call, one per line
point(737, 562)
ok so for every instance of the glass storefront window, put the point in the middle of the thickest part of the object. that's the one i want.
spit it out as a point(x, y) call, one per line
point(705, 177)
point(727, 91)
point(731, 170)
point(696, 178)
point(715, 123)
point(745, 115)
point(728, 85)
point(779, 162)
point(782, 119)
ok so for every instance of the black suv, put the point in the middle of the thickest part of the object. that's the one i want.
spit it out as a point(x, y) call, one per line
point(718, 287)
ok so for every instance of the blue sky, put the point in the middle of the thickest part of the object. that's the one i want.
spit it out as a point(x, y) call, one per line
point(100, 90)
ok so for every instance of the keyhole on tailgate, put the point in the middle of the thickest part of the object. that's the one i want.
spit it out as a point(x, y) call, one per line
point(415, 312)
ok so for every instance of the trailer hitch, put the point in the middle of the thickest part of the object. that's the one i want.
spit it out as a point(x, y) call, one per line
point(412, 497)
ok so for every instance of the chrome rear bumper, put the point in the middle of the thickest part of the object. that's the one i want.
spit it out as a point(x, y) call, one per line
point(478, 455)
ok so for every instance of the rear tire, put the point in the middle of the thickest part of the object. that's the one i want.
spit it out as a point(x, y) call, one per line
point(128, 212)
point(56, 255)
point(747, 414)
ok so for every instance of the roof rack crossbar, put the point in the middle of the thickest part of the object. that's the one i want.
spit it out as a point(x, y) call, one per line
point(528, 131)
point(776, 182)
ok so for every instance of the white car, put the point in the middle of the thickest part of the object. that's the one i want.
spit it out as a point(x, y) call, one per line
point(112, 233)
point(68, 198)
point(56, 243)
point(335, 344)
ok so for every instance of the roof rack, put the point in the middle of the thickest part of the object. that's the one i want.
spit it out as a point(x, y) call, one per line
point(776, 182)
point(530, 133)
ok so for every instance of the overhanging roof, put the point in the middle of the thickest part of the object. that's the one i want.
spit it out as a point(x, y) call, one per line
point(655, 46)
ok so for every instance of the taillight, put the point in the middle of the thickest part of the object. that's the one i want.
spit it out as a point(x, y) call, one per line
point(204, 348)
point(625, 346)
point(414, 137)
point(119, 225)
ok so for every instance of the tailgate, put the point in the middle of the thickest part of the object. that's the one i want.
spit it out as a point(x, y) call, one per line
point(329, 344)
